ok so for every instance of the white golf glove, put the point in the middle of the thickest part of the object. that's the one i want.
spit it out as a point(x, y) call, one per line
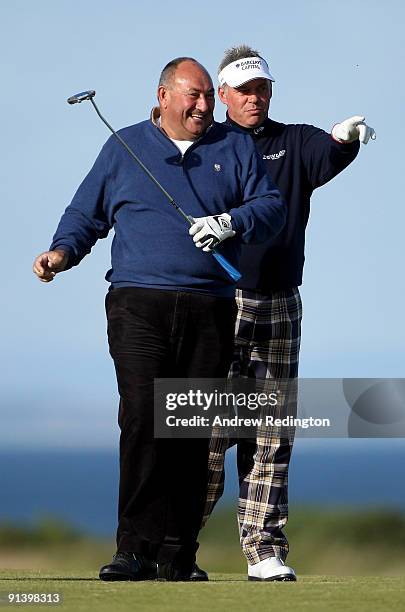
point(208, 232)
point(352, 129)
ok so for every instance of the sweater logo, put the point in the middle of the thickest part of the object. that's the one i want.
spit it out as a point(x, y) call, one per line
point(217, 167)
point(275, 155)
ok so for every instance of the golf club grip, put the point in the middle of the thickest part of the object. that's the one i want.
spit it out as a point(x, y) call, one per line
point(228, 267)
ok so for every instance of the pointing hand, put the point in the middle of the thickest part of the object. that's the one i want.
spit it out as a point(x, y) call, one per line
point(352, 129)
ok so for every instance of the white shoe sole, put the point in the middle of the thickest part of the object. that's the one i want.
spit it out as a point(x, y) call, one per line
point(278, 578)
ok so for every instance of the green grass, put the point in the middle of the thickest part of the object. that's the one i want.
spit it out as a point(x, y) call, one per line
point(83, 592)
point(361, 551)
point(340, 542)
point(337, 542)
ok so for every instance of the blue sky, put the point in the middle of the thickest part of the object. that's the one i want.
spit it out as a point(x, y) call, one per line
point(330, 60)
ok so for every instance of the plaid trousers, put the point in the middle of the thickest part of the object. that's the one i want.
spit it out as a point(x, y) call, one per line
point(267, 344)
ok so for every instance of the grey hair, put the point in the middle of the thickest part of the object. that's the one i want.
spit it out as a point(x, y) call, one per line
point(237, 53)
point(169, 70)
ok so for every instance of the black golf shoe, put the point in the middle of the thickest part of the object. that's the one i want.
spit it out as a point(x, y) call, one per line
point(168, 572)
point(128, 566)
point(198, 574)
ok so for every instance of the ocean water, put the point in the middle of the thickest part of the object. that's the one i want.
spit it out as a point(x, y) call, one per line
point(81, 487)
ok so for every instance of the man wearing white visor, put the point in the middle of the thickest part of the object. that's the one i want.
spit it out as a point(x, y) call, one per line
point(299, 158)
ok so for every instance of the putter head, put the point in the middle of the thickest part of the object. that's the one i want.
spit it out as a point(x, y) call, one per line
point(80, 97)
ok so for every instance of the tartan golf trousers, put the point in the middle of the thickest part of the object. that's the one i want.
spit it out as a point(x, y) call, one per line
point(267, 343)
point(155, 333)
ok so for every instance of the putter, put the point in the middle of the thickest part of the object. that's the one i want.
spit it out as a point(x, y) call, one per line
point(89, 95)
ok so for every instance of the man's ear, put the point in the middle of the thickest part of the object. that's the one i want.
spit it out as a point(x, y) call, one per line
point(162, 94)
point(222, 94)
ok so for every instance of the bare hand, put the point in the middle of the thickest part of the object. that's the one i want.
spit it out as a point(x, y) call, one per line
point(48, 264)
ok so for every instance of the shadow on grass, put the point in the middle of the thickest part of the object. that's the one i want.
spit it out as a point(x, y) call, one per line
point(64, 579)
point(53, 579)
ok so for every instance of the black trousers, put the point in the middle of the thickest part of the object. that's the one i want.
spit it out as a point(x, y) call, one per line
point(163, 482)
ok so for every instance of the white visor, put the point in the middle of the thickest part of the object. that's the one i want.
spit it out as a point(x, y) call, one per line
point(244, 70)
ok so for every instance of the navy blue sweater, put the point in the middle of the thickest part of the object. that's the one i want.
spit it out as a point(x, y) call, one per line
point(299, 158)
point(220, 172)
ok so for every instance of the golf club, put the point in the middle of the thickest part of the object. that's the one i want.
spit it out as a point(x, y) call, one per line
point(89, 95)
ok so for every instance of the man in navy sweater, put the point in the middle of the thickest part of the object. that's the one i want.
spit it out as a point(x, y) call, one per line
point(299, 159)
point(170, 307)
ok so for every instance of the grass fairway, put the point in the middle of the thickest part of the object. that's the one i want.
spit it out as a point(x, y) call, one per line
point(224, 592)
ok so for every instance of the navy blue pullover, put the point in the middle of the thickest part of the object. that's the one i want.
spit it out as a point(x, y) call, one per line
point(299, 158)
point(221, 172)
